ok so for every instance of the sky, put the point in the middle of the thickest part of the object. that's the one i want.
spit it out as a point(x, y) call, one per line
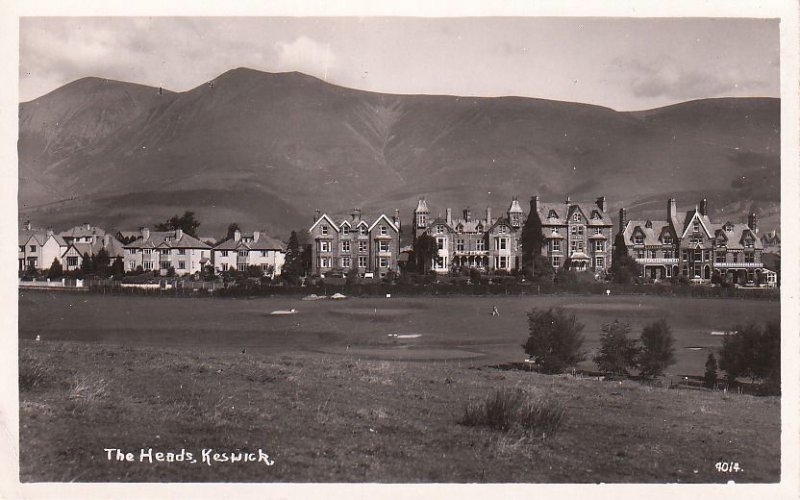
point(622, 63)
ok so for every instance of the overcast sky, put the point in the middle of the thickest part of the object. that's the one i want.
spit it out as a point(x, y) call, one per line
point(625, 64)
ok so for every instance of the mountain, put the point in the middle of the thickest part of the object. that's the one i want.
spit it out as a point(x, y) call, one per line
point(265, 150)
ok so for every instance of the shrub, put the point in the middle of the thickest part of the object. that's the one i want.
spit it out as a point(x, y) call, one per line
point(555, 340)
point(754, 352)
point(565, 276)
point(474, 276)
point(617, 353)
point(710, 376)
point(56, 271)
point(657, 351)
point(513, 409)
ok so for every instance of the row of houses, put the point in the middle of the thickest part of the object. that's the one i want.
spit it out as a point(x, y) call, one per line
point(575, 235)
point(147, 250)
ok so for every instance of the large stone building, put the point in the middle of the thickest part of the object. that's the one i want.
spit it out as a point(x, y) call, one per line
point(245, 250)
point(161, 250)
point(692, 245)
point(369, 244)
point(576, 236)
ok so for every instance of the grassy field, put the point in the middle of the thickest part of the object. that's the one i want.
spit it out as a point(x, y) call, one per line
point(331, 397)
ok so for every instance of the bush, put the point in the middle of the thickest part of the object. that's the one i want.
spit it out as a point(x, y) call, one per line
point(513, 409)
point(566, 276)
point(555, 340)
point(617, 353)
point(657, 351)
point(754, 352)
point(33, 373)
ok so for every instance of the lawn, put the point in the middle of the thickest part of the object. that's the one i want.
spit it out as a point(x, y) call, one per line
point(332, 397)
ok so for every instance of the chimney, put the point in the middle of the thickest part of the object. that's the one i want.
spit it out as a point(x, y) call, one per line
point(178, 234)
point(317, 213)
point(237, 235)
point(87, 226)
point(601, 203)
point(106, 240)
point(752, 222)
point(672, 210)
point(567, 201)
point(358, 214)
point(534, 205)
point(449, 216)
point(488, 216)
point(49, 232)
point(396, 218)
point(623, 219)
point(27, 225)
point(145, 234)
point(467, 214)
point(704, 207)
point(256, 235)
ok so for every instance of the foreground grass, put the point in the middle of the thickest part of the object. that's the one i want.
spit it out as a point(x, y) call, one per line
point(329, 418)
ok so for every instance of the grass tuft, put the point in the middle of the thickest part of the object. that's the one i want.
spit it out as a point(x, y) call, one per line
point(514, 409)
point(33, 372)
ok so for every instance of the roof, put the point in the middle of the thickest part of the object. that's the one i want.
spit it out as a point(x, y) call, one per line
point(336, 221)
point(263, 242)
point(83, 231)
point(114, 248)
point(734, 239)
point(652, 234)
point(166, 239)
point(514, 207)
point(422, 206)
point(563, 211)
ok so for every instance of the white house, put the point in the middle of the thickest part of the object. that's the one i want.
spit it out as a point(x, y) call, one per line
point(161, 250)
point(245, 250)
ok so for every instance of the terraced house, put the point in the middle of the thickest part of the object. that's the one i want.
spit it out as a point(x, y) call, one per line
point(245, 250)
point(690, 244)
point(369, 244)
point(162, 250)
point(472, 242)
point(577, 235)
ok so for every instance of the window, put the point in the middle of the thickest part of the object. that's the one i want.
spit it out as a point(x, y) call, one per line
point(552, 214)
point(640, 254)
point(500, 243)
point(749, 257)
point(383, 262)
point(362, 261)
point(439, 229)
point(599, 262)
point(697, 255)
point(362, 230)
point(638, 239)
point(324, 246)
point(345, 229)
point(652, 254)
point(163, 251)
point(22, 248)
point(667, 238)
point(696, 227)
point(323, 229)
point(165, 265)
point(131, 265)
point(242, 267)
point(556, 261)
point(242, 253)
point(181, 264)
point(668, 254)
point(383, 246)
point(736, 257)
point(346, 262)
point(719, 257)
point(383, 231)
point(555, 245)
point(147, 265)
point(576, 217)
point(598, 230)
point(265, 267)
point(460, 245)
point(362, 247)
point(600, 246)
point(73, 262)
point(480, 245)
point(33, 248)
point(502, 229)
point(324, 262)
point(148, 251)
point(503, 262)
point(264, 253)
point(576, 246)
point(346, 246)
point(181, 251)
point(440, 243)
point(748, 243)
point(706, 254)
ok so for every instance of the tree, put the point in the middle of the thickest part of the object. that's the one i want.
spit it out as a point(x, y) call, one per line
point(710, 376)
point(531, 241)
point(232, 228)
point(754, 352)
point(117, 268)
point(186, 222)
point(623, 267)
point(554, 340)
point(293, 262)
point(102, 262)
point(87, 265)
point(56, 271)
point(542, 268)
point(425, 249)
point(617, 352)
point(474, 276)
point(658, 351)
point(351, 277)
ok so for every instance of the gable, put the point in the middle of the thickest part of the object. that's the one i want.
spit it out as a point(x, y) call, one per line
point(691, 222)
point(383, 217)
point(324, 217)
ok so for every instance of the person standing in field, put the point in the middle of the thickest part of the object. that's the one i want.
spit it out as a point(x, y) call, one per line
point(495, 312)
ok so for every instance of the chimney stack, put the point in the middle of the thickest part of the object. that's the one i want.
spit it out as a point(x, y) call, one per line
point(567, 201)
point(256, 235)
point(396, 218)
point(145, 234)
point(317, 213)
point(49, 232)
point(178, 234)
point(623, 219)
point(106, 240)
point(237, 235)
point(672, 209)
point(467, 214)
point(449, 216)
point(27, 225)
point(87, 226)
point(534, 205)
point(488, 216)
point(601, 203)
point(704, 207)
point(752, 222)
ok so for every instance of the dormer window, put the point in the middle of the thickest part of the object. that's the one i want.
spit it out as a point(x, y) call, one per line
point(728, 227)
point(439, 229)
point(479, 228)
point(362, 230)
point(502, 229)
point(667, 238)
point(696, 227)
point(323, 230)
point(345, 229)
point(552, 215)
point(576, 217)
point(459, 228)
point(638, 239)
point(596, 215)
point(648, 224)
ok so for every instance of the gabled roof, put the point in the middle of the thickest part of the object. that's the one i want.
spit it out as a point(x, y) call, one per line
point(514, 207)
point(321, 218)
point(160, 239)
point(689, 219)
point(422, 206)
point(651, 235)
point(82, 232)
point(736, 237)
point(383, 216)
point(564, 211)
